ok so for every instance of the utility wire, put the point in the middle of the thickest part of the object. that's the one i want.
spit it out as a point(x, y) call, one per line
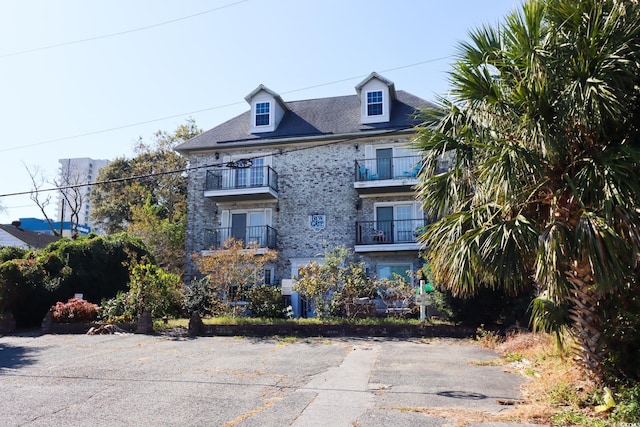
point(120, 33)
point(160, 119)
point(188, 169)
point(97, 132)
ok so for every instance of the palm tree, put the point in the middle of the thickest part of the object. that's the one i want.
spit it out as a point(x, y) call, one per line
point(543, 128)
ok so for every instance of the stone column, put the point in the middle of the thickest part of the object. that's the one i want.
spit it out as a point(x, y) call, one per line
point(196, 327)
point(47, 323)
point(145, 324)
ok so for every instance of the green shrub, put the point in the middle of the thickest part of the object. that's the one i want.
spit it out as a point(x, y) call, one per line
point(74, 310)
point(117, 309)
point(8, 253)
point(621, 332)
point(152, 289)
point(96, 266)
point(627, 409)
point(490, 307)
point(197, 297)
point(25, 290)
point(265, 301)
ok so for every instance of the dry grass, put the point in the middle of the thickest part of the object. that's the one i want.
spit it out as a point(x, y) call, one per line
point(557, 391)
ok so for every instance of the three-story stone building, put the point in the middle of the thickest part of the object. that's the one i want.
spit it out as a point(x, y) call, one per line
point(303, 176)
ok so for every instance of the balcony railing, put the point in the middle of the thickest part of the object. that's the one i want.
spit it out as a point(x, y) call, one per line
point(388, 168)
point(235, 179)
point(388, 232)
point(261, 236)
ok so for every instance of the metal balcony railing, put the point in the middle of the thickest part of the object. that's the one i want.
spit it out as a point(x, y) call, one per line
point(261, 236)
point(235, 179)
point(387, 168)
point(388, 232)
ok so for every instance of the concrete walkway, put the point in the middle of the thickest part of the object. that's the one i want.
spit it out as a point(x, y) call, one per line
point(341, 394)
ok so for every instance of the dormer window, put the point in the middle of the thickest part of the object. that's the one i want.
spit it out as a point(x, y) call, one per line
point(262, 113)
point(377, 95)
point(374, 103)
point(267, 110)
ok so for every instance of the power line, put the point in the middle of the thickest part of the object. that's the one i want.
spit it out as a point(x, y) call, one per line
point(120, 33)
point(96, 132)
point(364, 75)
point(130, 125)
point(188, 169)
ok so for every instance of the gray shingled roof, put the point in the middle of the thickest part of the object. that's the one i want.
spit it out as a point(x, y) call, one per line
point(323, 117)
point(31, 238)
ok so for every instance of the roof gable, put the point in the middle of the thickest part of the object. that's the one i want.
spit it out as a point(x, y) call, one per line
point(263, 88)
point(376, 76)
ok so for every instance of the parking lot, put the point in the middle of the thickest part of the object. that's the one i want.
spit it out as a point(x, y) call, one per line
point(121, 380)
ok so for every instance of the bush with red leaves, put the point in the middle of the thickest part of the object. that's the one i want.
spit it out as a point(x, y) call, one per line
point(74, 310)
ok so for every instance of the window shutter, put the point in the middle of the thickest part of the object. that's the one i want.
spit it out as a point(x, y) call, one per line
point(225, 219)
point(368, 152)
point(369, 155)
point(268, 215)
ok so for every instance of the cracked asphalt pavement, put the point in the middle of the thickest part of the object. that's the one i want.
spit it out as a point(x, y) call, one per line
point(127, 380)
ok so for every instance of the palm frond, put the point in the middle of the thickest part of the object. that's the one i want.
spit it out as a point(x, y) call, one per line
point(550, 317)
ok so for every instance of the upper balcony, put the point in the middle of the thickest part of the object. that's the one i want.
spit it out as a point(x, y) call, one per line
point(256, 183)
point(383, 236)
point(387, 174)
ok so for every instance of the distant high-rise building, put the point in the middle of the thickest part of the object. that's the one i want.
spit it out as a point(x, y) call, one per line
point(74, 204)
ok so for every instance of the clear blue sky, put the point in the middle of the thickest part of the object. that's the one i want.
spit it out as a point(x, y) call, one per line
point(68, 91)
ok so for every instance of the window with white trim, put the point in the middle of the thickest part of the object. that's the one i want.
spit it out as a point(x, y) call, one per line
point(263, 113)
point(249, 226)
point(374, 103)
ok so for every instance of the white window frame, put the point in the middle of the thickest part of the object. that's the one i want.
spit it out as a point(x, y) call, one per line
point(269, 114)
point(267, 217)
point(381, 103)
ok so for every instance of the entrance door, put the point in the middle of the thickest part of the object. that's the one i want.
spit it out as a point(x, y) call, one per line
point(384, 227)
point(384, 159)
point(239, 226)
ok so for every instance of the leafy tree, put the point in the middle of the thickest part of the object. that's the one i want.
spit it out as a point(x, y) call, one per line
point(152, 207)
point(543, 120)
point(231, 270)
point(317, 282)
point(336, 283)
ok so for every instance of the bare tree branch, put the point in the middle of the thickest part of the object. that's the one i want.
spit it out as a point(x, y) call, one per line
point(37, 181)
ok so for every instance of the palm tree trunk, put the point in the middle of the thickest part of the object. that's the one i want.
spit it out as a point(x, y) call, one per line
point(584, 316)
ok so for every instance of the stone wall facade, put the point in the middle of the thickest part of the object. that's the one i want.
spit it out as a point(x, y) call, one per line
point(313, 179)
